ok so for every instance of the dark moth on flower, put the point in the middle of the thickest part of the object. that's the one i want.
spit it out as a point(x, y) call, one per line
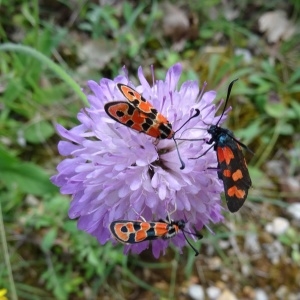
point(115, 173)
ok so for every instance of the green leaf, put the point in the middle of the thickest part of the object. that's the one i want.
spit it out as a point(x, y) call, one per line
point(286, 129)
point(250, 132)
point(27, 177)
point(296, 107)
point(49, 239)
point(213, 63)
point(294, 78)
point(275, 110)
point(93, 259)
point(38, 132)
point(295, 89)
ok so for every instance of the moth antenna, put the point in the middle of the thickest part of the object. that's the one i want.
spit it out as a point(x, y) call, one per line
point(181, 161)
point(196, 114)
point(227, 98)
point(195, 250)
point(191, 140)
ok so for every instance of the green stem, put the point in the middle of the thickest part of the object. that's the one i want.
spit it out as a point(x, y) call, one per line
point(13, 292)
point(47, 61)
point(173, 275)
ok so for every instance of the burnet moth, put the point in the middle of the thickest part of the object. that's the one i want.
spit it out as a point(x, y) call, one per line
point(139, 114)
point(232, 167)
point(132, 232)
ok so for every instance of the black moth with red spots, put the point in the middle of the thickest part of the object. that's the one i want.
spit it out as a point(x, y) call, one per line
point(232, 167)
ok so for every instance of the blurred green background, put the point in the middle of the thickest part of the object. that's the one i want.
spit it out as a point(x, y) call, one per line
point(49, 49)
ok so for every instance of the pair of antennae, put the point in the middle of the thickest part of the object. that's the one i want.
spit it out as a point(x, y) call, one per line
point(196, 114)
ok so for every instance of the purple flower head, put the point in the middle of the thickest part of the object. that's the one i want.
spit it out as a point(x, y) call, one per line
point(116, 173)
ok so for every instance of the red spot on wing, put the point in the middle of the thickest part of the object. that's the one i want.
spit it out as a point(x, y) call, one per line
point(133, 96)
point(225, 154)
point(161, 229)
point(138, 119)
point(123, 107)
point(119, 231)
point(226, 173)
point(237, 175)
point(161, 119)
point(129, 93)
point(153, 131)
point(145, 107)
point(235, 192)
point(142, 234)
